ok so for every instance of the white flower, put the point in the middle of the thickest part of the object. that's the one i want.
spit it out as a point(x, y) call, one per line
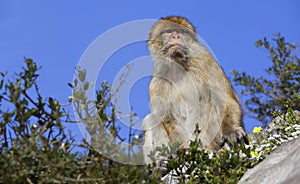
point(276, 136)
point(62, 146)
point(283, 140)
point(265, 145)
point(243, 155)
point(247, 146)
point(294, 134)
point(297, 127)
point(287, 128)
point(136, 137)
point(210, 155)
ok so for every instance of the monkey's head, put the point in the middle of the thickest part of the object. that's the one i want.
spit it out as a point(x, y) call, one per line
point(172, 37)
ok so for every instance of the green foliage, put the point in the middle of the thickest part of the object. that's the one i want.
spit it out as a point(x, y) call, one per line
point(101, 122)
point(266, 94)
point(196, 165)
point(34, 146)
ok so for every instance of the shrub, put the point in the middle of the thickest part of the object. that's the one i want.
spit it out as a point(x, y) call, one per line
point(196, 165)
point(263, 95)
point(34, 145)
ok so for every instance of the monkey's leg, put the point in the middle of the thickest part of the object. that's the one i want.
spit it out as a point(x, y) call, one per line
point(155, 136)
point(232, 129)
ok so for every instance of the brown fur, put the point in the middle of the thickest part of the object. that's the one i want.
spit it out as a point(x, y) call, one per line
point(188, 88)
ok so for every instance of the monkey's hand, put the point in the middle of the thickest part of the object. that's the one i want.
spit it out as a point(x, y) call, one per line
point(238, 136)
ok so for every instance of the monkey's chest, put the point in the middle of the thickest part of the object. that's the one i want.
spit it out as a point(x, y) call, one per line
point(183, 91)
point(182, 98)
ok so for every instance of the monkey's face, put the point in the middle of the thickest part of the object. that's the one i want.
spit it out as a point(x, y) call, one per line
point(172, 39)
point(174, 43)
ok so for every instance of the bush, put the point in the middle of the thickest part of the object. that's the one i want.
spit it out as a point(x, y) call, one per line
point(197, 165)
point(266, 94)
point(34, 146)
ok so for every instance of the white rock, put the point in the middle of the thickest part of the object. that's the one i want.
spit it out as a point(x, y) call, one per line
point(281, 166)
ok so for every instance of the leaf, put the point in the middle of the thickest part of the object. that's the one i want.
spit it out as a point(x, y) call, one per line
point(81, 107)
point(86, 86)
point(234, 72)
point(258, 43)
point(91, 84)
point(3, 74)
point(266, 44)
point(82, 75)
point(69, 84)
point(75, 82)
point(1, 83)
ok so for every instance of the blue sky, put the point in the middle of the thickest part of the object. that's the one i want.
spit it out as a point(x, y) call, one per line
point(56, 34)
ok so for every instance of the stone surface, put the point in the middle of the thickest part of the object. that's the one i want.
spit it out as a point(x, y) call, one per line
point(281, 166)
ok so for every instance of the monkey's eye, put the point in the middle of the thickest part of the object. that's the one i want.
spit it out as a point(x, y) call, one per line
point(182, 31)
point(167, 31)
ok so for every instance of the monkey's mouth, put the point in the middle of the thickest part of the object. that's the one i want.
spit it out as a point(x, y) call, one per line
point(174, 46)
point(176, 51)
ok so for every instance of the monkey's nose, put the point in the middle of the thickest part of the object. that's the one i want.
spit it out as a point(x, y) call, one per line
point(175, 35)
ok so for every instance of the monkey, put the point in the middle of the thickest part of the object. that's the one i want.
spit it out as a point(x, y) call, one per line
point(188, 88)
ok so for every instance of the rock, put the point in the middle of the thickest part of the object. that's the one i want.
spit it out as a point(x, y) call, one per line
point(170, 179)
point(173, 178)
point(281, 166)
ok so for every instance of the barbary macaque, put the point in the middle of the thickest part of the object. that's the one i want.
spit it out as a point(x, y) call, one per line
point(188, 87)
